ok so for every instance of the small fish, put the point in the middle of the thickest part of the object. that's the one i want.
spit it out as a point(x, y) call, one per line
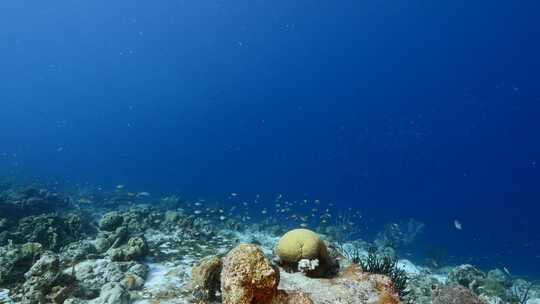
point(84, 201)
point(60, 149)
point(131, 194)
point(458, 225)
point(144, 193)
point(507, 271)
point(119, 187)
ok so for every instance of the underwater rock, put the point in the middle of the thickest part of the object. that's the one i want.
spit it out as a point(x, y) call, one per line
point(132, 282)
point(467, 276)
point(117, 227)
point(135, 249)
point(93, 274)
point(135, 220)
point(19, 202)
point(497, 284)
point(303, 244)
point(499, 276)
point(44, 281)
point(456, 294)
point(110, 221)
point(351, 287)
point(141, 217)
point(112, 293)
point(423, 286)
point(107, 240)
point(77, 251)
point(48, 230)
point(247, 276)
point(206, 277)
point(51, 231)
point(492, 299)
point(16, 260)
point(283, 297)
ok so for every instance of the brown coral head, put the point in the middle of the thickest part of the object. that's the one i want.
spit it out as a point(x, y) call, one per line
point(388, 298)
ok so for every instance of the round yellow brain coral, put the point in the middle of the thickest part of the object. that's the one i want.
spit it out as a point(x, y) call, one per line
point(300, 244)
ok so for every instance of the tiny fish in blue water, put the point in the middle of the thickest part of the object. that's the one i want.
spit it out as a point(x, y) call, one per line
point(458, 225)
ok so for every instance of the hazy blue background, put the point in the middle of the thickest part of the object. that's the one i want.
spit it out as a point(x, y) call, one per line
point(425, 109)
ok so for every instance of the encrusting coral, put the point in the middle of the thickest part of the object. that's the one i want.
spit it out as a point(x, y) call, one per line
point(248, 277)
point(456, 294)
point(205, 278)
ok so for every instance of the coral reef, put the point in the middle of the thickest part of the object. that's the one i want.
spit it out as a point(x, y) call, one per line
point(353, 286)
point(19, 202)
point(206, 278)
point(45, 282)
point(16, 260)
point(51, 231)
point(135, 249)
point(456, 294)
point(388, 267)
point(303, 244)
point(467, 276)
point(300, 244)
point(96, 247)
point(112, 293)
point(248, 277)
point(110, 221)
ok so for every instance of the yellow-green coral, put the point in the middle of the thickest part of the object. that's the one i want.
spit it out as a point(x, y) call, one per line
point(300, 244)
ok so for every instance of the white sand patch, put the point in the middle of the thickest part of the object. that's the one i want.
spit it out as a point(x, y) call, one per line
point(166, 283)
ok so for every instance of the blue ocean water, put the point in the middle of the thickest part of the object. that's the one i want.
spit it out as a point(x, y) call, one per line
point(402, 109)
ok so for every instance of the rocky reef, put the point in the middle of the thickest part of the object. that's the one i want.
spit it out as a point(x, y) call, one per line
point(19, 201)
point(122, 247)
